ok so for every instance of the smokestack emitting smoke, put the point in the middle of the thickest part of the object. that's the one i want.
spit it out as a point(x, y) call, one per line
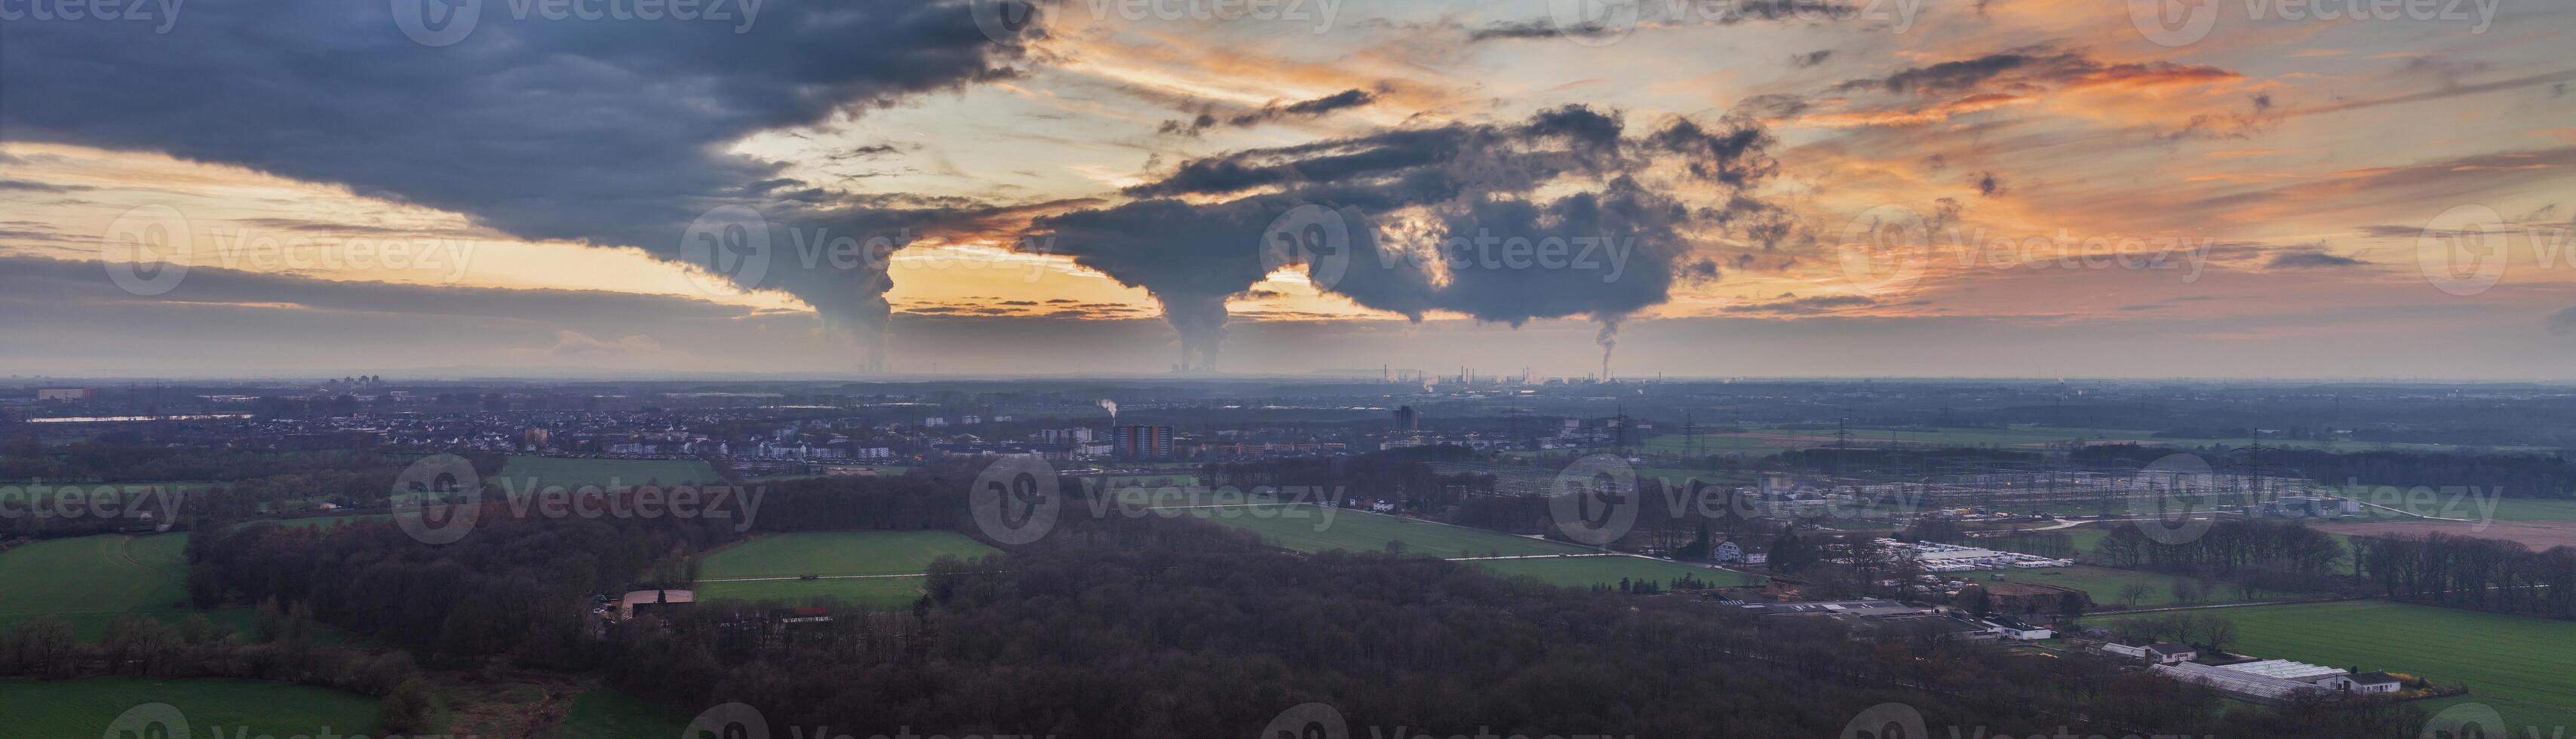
point(1609, 340)
point(1112, 407)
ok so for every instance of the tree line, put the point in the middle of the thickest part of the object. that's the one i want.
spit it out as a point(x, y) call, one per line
point(2231, 548)
point(2471, 573)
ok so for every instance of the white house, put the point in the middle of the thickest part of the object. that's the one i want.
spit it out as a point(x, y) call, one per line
point(2169, 653)
point(2363, 683)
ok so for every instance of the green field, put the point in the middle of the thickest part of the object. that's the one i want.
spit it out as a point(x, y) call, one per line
point(839, 553)
point(2105, 583)
point(91, 579)
point(85, 708)
point(2529, 509)
point(2506, 509)
point(1303, 527)
point(873, 592)
point(827, 554)
point(1579, 572)
point(2518, 665)
point(601, 713)
point(571, 472)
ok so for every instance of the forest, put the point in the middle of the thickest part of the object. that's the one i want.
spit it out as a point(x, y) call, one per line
point(1175, 627)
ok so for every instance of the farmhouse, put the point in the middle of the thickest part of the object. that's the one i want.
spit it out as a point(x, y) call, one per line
point(2364, 683)
point(653, 602)
point(2015, 630)
point(2124, 650)
point(2167, 653)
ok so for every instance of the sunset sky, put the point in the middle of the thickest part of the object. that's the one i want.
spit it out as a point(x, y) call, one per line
point(2016, 188)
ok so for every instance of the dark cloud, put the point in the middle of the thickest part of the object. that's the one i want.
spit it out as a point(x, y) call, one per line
point(1810, 59)
point(2029, 69)
point(2562, 322)
point(2309, 258)
point(2257, 117)
point(1352, 98)
point(34, 186)
point(1792, 305)
point(1472, 191)
point(1651, 14)
point(606, 132)
point(1989, 185)
point(1539, 29)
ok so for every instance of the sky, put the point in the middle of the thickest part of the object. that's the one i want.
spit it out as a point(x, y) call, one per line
point(2307, 189)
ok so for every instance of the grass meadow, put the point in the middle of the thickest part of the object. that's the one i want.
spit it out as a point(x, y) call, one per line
point(83, 708)
point(871, 555)
point(1305, 528)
